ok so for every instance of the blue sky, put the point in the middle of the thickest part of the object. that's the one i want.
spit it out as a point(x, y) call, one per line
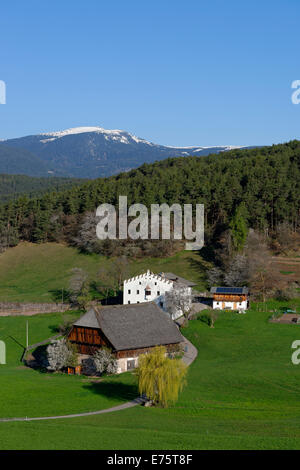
point(174, 72)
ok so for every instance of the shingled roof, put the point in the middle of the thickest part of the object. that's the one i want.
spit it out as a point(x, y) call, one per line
point(180, 280)
point(132, 326)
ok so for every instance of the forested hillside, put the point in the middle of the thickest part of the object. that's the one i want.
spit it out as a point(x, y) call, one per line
point(264, 181)
point(19, 161)
point(14, 186)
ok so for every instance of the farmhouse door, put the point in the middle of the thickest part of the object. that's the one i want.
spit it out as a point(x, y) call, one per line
point(130, 364)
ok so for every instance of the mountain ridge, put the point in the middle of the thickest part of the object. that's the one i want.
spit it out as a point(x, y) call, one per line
point(92, 152)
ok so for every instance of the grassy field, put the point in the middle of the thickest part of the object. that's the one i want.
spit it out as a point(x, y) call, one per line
point(28, 392)
point(38, 273)
point(243, 392)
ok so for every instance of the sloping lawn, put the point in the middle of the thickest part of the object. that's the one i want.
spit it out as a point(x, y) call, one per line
point(38, 272)
point(243, 392)
point(28, 392)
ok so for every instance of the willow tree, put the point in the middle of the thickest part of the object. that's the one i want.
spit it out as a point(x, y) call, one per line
point(161, 378)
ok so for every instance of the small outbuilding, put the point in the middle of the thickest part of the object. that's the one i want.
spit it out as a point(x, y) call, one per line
point(230, 298)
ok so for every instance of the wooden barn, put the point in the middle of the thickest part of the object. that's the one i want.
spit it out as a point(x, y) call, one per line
point(230, 298)
point(128, 330)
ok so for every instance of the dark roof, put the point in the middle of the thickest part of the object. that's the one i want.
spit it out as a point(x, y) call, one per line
point(229, 290)
point(132, 326)
point(180, 280)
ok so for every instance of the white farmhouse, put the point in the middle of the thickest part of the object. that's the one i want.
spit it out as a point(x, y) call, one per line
point(149, 287)
point(230, 298)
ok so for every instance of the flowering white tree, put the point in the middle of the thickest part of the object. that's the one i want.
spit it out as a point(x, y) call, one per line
point(178, 302)
point(104, 361)
point(60, 354)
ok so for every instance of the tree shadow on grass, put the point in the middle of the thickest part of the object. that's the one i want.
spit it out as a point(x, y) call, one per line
point(22, 347)
point(200, 266)
point(203, 261)
point(114, 389)
point(54, 328)
point(37, 359)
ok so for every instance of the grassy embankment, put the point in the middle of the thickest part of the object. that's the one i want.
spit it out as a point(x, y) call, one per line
point(38, 273)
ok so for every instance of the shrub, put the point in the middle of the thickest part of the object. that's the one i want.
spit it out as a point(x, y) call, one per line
point(205, 318)
point(285, 294)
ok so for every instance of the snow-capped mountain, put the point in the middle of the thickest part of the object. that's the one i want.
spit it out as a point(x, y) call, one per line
point(92, 152)
point(114, 134)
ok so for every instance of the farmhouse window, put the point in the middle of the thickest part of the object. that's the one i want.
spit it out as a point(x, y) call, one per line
point(129, 291)
point(137, 291)
point(158, 292)
point(148, 290)
point(130, 364)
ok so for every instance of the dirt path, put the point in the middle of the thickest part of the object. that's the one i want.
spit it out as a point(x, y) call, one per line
point(124, 406)
point(190, 352)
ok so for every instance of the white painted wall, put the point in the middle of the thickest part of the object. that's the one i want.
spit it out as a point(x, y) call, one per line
point(230, 305)
point(134, 290)
point(122, 363)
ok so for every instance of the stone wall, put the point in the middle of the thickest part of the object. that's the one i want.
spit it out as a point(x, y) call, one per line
point(14, 308)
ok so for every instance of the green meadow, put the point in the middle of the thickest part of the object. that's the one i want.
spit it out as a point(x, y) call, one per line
point(38, 273)
point(29, 392)
point(243, 392)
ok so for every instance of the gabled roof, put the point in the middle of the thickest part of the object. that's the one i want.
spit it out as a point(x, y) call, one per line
point(132, 326)
point(229, 290)
point(180, 280)
point(88, 320)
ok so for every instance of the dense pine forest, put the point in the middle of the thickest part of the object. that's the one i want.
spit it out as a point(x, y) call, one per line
point(14, 186)
point(264, 182)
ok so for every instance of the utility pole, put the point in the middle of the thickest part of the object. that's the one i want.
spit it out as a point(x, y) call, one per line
point(26, 334)
point(62, 295)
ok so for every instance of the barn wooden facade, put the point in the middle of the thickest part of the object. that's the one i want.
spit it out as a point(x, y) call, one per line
point(88, 340)
point(128, 330)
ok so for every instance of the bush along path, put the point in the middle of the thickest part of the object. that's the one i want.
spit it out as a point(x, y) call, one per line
point(190, 354)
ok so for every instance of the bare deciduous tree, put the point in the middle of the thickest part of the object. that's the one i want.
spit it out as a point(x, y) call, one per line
point(110, 278)
point(86, 238)
point(79, 287)
point(262, 277)
point(238, 272)
point(215, 277)
point(285, 237)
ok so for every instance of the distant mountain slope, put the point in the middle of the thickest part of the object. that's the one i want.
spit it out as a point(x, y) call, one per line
point(16, 161)
point(14, 186)
point(93, 152)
